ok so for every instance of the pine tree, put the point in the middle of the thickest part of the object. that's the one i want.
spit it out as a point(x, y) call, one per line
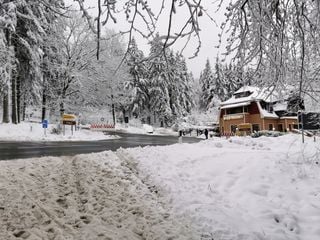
point(185, 80)
point(137, 84)
point(158, 77)
point(24, 30)
point(207, 86)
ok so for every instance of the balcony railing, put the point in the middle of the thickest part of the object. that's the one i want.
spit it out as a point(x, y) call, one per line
point(234, 116)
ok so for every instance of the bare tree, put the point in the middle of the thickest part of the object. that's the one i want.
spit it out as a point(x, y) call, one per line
point(142, 18)
point(276, 37)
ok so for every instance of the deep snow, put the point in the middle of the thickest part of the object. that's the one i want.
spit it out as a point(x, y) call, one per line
point(237, 188)
point(241, 188)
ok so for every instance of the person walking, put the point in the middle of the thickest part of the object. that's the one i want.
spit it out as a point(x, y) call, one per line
point(180, 136)
point(206, 133)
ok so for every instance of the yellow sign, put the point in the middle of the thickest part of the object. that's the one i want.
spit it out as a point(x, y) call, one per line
point(244, 126)
point(69, 117)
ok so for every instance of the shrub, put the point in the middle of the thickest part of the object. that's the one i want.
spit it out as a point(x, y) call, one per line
point(267, 134)
point(55, 130)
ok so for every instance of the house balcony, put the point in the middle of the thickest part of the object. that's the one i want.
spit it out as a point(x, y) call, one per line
point(234, 116)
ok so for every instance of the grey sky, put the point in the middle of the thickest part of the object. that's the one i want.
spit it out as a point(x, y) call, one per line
point(209, 33)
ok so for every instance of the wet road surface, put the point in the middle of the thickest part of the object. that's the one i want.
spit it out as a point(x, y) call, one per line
point(16, 150)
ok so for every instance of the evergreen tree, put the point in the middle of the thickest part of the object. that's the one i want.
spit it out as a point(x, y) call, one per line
point(24, 23)
point(207, 86)
point(185, 80)
point(158, 77)
point(137, 84)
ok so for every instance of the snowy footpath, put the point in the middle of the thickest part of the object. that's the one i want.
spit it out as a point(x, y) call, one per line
point(86, 197)
point(219, 189)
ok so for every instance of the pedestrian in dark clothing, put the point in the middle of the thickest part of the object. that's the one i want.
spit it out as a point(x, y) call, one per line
point(206, 133)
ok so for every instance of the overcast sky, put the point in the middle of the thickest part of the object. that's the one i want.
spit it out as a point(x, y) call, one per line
point(209, 33)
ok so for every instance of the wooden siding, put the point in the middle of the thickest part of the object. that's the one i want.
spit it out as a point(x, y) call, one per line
point(254, 117)
point(253, 108)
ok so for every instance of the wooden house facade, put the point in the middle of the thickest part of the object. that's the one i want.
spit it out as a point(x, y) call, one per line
point(251, 109)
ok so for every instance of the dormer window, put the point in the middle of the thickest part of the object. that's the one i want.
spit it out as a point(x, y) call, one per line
point(267, 106)
point(242, 94)
point(270, 108)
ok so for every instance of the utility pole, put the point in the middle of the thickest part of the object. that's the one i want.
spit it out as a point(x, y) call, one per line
point(301, 121)
point(113, 111)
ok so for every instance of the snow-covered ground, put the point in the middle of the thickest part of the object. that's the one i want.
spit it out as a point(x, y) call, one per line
point(242, 188)
point(237, 188)
point(149, 130)
point(35, 132)
point(144, 129)
point(86, 197)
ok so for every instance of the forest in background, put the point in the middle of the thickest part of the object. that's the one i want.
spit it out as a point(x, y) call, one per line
point(64, 60)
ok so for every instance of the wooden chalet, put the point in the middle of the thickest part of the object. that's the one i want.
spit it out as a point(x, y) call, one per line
point(251, 109)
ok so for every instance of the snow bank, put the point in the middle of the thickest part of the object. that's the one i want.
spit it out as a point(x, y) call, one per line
point(35, 132)
point(144, 129)
point(86, 197)
point(242, 188)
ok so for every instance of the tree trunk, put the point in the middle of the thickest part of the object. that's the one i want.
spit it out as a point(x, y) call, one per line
point(6, 97)
point(24, 107)
point(19, 100)
point(14, 114)
point(44, 103)
point(98, 29)
point(5, 117)
point(61, 109)
point(113, 111)
point(124, 114)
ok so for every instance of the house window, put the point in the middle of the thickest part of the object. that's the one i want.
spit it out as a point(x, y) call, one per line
point(234, 110)
point(267, 106)
point(243, 94)
point(255, 127)
point(237, 110)
point(270, 127)
point(280, 127)
point(233, 128)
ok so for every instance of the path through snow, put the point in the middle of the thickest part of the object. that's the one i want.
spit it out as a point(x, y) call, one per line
point(92, 196)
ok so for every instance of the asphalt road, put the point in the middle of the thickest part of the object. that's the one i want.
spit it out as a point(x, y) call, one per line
point(16, 150)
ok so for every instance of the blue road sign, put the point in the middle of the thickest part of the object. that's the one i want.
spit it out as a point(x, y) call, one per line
point(45, 124)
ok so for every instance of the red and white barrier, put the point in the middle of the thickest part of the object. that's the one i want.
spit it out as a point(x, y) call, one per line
point(227, 134)
point(101, 126)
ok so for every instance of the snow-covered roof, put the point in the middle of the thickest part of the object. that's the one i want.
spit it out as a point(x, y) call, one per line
point(236, 105)
point(280, 106)
point(266, 114)
point(289, 117)
point(265, 94)
point(246, 89)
